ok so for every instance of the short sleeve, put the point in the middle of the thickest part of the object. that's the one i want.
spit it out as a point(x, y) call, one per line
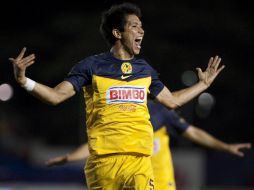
point(80, 75)
point(156, 85)
point(175, 121)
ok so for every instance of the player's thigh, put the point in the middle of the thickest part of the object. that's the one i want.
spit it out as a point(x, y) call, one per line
point(100, 173)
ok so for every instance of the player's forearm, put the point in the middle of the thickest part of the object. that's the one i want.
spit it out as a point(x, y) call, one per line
point(46, 94)
point(178, 98)
point(52, 96)
point(203, 138)
point(185, 95)
point(80, 153)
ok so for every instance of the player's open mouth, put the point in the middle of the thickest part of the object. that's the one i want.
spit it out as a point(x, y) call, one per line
point(138, 41)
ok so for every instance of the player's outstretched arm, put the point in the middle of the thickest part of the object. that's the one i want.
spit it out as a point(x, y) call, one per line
point(205, 139)
point(49, 95)
point(180, 97)
point(81, 153)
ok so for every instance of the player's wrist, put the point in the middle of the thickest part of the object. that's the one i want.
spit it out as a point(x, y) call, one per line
point(204, 84)
point(29, 84)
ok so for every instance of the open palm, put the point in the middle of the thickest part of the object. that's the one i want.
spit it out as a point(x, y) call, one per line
point(211, 71)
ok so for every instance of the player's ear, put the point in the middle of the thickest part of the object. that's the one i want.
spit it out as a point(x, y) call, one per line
point(117, 34)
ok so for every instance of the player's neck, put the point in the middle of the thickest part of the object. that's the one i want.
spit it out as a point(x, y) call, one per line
point(120, 53)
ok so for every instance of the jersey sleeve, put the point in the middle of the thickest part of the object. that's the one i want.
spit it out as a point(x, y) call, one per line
point(80, 75)
point(156, 85)
point(175, 121)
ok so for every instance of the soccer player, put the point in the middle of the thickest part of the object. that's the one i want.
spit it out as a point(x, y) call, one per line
point(115, 86)
point(163, 121)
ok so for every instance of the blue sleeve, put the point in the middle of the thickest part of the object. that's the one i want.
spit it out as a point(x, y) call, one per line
point(80, 75)
point(156, 85)
point(175, 121)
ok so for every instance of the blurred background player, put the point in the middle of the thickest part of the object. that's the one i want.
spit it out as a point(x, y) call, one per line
point(163, 121)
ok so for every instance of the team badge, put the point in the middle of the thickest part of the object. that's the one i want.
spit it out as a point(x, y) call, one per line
point(126, 68)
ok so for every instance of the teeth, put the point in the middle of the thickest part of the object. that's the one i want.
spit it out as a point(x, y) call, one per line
point(138, 43)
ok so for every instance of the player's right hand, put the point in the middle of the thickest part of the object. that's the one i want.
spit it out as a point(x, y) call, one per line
point(20, 63)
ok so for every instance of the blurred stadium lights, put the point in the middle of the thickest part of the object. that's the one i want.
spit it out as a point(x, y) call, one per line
point(6, 92)
point(189, 78)
point(205, 103)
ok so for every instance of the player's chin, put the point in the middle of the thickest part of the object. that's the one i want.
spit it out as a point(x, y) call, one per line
point(136, 51)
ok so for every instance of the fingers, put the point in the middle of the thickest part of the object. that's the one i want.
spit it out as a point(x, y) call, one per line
point(11, 59)
point(240, 154)
point(245, 145)
point(52, 162)
point(56, 161)
point(21, 53)
point(199, 70)
point(220, 69)
point(210, 62)
point(238, 148)
point(49, 163)
point(27, 61)
point(213, 65)
point(28, 58)
point(20, 57)
point(215, 62)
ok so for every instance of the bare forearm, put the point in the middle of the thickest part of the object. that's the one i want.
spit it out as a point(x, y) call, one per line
point(185, 95)
point(53, 96)
point(45, 94)
point(203, 138)
point(80, 153)
point(178, 98)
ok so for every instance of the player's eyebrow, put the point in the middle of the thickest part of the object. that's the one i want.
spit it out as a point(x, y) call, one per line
point(136, 23)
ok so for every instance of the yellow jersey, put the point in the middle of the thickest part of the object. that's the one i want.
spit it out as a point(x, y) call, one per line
point(115, 93)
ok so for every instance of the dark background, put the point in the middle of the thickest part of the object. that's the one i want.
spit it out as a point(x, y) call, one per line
point(179, 36)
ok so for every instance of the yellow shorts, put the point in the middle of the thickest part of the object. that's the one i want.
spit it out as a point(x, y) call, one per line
point(118, 171)
point(165, 185)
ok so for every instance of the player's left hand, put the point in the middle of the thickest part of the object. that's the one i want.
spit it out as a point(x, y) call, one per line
point(60, 160)
point(237, 149)
point(211, 71)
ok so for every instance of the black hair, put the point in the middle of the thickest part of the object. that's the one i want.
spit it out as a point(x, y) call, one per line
point(115, 18)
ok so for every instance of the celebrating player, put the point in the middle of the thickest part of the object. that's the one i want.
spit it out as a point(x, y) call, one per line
point(115, 86)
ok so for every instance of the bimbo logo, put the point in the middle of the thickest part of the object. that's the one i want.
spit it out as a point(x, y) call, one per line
point(126, 94)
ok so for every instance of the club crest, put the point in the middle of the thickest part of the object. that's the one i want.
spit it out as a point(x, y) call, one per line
point(126, 68)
